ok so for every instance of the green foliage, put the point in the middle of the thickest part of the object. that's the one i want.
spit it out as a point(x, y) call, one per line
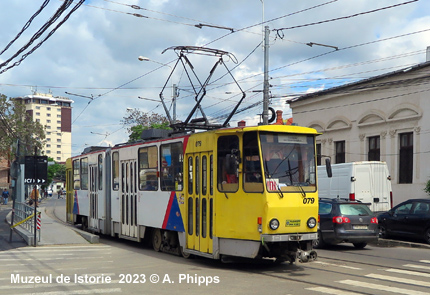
point(16, 124)
point(139, 121)
point(427, 188)
point(56, 172)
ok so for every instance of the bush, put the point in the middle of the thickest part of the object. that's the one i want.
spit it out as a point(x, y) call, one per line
point(427, 188)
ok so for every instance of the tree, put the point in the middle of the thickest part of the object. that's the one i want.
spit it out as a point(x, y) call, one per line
point(56, 171)
point(16, 123)
point(137, 121)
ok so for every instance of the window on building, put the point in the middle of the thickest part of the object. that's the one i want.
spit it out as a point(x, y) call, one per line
point(48, 115)
point(48, 121)
point(58, 116)
point(37, 107)
point(148, 167)
point(374, 153)
point(58, 146)
point(37, 114)
point(48, 151)
point(48, 108)
point(58, 140)
point(318, 154)
point(58, 122)
point(48, 139)
point(340, 151)
point(406, 157)
point(48, 145)
point(38, 120)
point(58, 158)
point(171, 167)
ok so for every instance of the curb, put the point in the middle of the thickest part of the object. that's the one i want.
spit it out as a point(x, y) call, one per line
point(398, 243)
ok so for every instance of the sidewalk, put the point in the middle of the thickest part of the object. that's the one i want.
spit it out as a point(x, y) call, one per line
point(54, 229)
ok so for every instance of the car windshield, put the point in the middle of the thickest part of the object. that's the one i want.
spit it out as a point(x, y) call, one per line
point(354, 209)
point(289, 161)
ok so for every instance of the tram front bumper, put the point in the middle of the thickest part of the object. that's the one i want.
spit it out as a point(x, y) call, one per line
point(289, 237)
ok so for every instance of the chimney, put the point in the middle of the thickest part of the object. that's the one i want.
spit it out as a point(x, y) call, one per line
point(241, 124)
point(279, 120)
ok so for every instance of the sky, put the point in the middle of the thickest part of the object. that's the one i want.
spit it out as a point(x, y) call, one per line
point(92, 58)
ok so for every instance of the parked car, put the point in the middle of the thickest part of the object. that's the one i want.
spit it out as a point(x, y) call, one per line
point(344, 221)
point(408, 219)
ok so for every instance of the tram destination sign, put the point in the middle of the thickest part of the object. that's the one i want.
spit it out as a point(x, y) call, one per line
point(36, 170)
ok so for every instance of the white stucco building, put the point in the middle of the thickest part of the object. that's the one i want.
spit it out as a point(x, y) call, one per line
point(385, 118)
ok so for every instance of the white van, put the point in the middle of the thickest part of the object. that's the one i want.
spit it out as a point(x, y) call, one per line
point(367, 182)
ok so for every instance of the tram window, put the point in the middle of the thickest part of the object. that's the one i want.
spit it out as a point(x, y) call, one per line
point(197, 176)
point(197, 217)
point(76, 175)
point(211, 214)
point(115, 171)
point(228, 157)
point(84, 173)
point(148, 166)
point(211, 176)
point(171, 168)
point(190, 175)
point(204, 175)
point(190, 216)
point(252, 180)
point(204, 218)
point(100, 170)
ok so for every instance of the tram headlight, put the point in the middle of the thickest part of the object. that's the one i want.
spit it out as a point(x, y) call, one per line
point(274, 224)
point(312, 222)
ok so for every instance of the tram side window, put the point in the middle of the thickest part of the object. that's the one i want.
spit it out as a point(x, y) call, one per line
point(252, 180)
point(76, 175)
point(84, 173)
point(171, 170)
point(115, 171)
point(100, 176)
point(228, 154)
point(148, 166)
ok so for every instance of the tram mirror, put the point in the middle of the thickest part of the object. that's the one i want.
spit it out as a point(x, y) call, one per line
point(328, 167)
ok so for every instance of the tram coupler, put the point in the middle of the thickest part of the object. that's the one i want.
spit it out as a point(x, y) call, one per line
point(307, 256)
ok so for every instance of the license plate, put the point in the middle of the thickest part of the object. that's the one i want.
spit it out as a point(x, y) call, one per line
point(359, 227)
point(292, 223)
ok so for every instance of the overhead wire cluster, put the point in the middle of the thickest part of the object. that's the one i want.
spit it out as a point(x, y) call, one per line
point(54, 18)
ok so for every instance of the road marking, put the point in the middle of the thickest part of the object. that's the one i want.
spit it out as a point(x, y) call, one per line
point(399, 280)
point(91, 291)
point(336, 265)
point(417, 266)
point(425, 261)
point(382, 287)
point(409, 272)
point(331, 291)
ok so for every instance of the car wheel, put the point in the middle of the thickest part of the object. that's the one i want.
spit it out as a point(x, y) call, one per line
point(382, 232)
point(359, 245)
point(318, 243)
point(427, 236)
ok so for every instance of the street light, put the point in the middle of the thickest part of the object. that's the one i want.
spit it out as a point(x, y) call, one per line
point(174, 89)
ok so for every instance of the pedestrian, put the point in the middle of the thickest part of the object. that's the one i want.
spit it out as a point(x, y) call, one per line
point(34, 196)
point(5, 196)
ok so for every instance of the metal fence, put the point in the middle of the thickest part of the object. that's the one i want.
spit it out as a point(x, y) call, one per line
point(23, 212)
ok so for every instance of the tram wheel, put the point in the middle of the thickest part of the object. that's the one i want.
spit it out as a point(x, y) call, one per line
point(156, 240)
point(183, 254)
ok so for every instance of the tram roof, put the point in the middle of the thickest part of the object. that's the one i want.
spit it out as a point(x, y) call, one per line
point(270, 128)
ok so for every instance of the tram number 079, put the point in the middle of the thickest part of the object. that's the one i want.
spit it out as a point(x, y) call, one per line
point(308, 200)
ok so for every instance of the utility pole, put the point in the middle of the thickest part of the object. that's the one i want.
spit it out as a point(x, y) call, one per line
point(174, 95)
point(266, 77)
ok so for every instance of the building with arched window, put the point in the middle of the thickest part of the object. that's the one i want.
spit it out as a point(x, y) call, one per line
point(383, 118)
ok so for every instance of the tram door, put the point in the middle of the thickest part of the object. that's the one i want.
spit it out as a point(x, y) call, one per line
point(93, 218)
point(128, 198)
point(199, 202)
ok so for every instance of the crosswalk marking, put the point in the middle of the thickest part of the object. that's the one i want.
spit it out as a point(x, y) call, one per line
point(409, 272)
point(337, 265)
point(331, 291)
point(417, 266)
point(78, 292)
point(382, 287)
point(399, 280)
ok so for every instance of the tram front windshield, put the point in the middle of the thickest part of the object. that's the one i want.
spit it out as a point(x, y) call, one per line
point(288, 162)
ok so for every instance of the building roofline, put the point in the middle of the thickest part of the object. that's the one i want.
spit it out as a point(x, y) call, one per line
point(364, 81)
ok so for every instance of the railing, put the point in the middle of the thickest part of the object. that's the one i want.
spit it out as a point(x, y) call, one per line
point(23, 212)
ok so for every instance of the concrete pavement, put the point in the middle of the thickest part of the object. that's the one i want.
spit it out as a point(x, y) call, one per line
point(54, 228)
